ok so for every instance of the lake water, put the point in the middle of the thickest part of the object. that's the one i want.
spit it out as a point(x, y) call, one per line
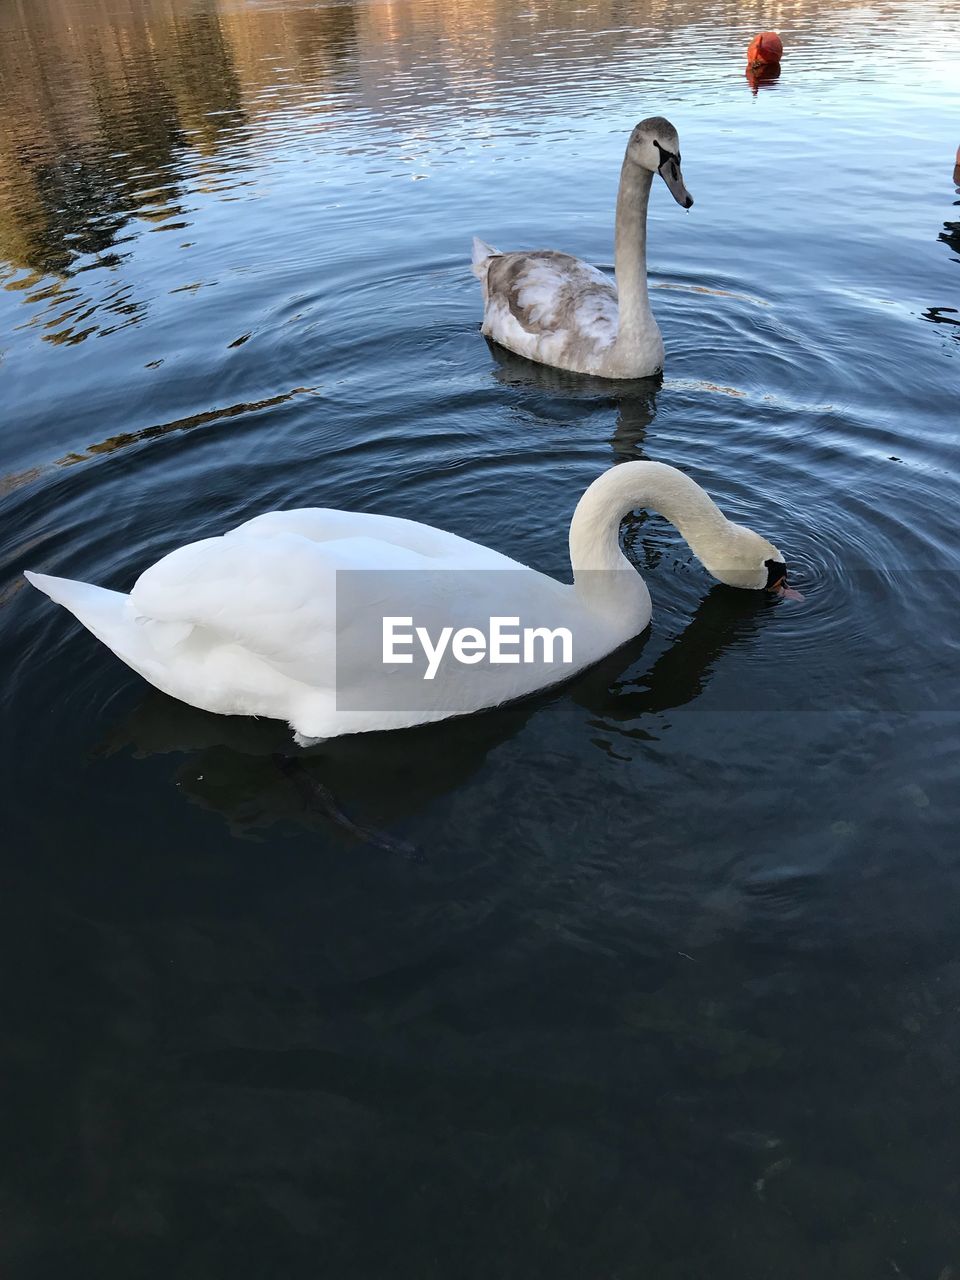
point(656, 976)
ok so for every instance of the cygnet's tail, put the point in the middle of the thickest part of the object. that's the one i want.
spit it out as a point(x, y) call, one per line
point(482, 253)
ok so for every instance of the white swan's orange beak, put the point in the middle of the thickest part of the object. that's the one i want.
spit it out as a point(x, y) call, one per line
point(777, 580)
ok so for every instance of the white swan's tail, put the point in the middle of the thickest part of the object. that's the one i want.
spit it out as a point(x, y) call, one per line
point(482, 253)
point(102, 612)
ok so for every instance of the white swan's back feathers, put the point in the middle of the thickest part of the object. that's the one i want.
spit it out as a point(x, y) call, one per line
point(287, 562)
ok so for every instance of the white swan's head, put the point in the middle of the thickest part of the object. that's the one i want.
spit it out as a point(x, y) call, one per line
point(654, 145)
point(746, 560)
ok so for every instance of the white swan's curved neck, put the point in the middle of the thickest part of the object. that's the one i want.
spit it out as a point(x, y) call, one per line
point(595, 552)
point(630, 253)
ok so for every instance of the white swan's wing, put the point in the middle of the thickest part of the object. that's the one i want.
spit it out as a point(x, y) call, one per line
point(270, 587)
point(322, 524)
point(269, 596)
point(550, 307)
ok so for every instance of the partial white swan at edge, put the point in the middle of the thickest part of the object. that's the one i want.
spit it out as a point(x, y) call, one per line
point(261, 622)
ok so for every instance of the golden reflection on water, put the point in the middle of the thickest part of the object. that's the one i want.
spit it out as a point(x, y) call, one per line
point(103, 102)
point(127, 438)
point(115, 114)
point(104, 105)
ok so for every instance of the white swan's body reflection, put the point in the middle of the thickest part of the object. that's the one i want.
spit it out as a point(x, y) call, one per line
point(371, 786)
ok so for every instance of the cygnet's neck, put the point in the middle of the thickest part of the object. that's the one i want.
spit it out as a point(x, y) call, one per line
point(630, 255)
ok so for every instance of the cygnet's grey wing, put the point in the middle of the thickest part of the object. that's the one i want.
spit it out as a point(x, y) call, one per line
point(550, 307)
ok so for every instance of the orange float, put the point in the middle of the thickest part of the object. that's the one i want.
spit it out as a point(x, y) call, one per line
point(765, 50)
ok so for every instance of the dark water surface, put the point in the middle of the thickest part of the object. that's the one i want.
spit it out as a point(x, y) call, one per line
point(656, 976)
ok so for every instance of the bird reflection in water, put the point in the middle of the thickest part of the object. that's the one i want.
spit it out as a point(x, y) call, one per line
point(723, 621)
point(950, 236)
point(555, 394)
point(368, 785)
point(762, 77)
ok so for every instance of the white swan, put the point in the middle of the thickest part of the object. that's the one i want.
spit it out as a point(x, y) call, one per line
point(284, 616)
point(560, 311)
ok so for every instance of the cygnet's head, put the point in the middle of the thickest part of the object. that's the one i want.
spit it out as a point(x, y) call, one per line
point(654, 145)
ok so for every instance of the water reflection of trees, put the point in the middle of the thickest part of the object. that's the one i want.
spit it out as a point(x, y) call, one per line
point(110, 109)
point(93, 116)
point(106, 112)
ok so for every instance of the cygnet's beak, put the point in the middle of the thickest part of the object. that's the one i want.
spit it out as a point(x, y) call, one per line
point(670, 172)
